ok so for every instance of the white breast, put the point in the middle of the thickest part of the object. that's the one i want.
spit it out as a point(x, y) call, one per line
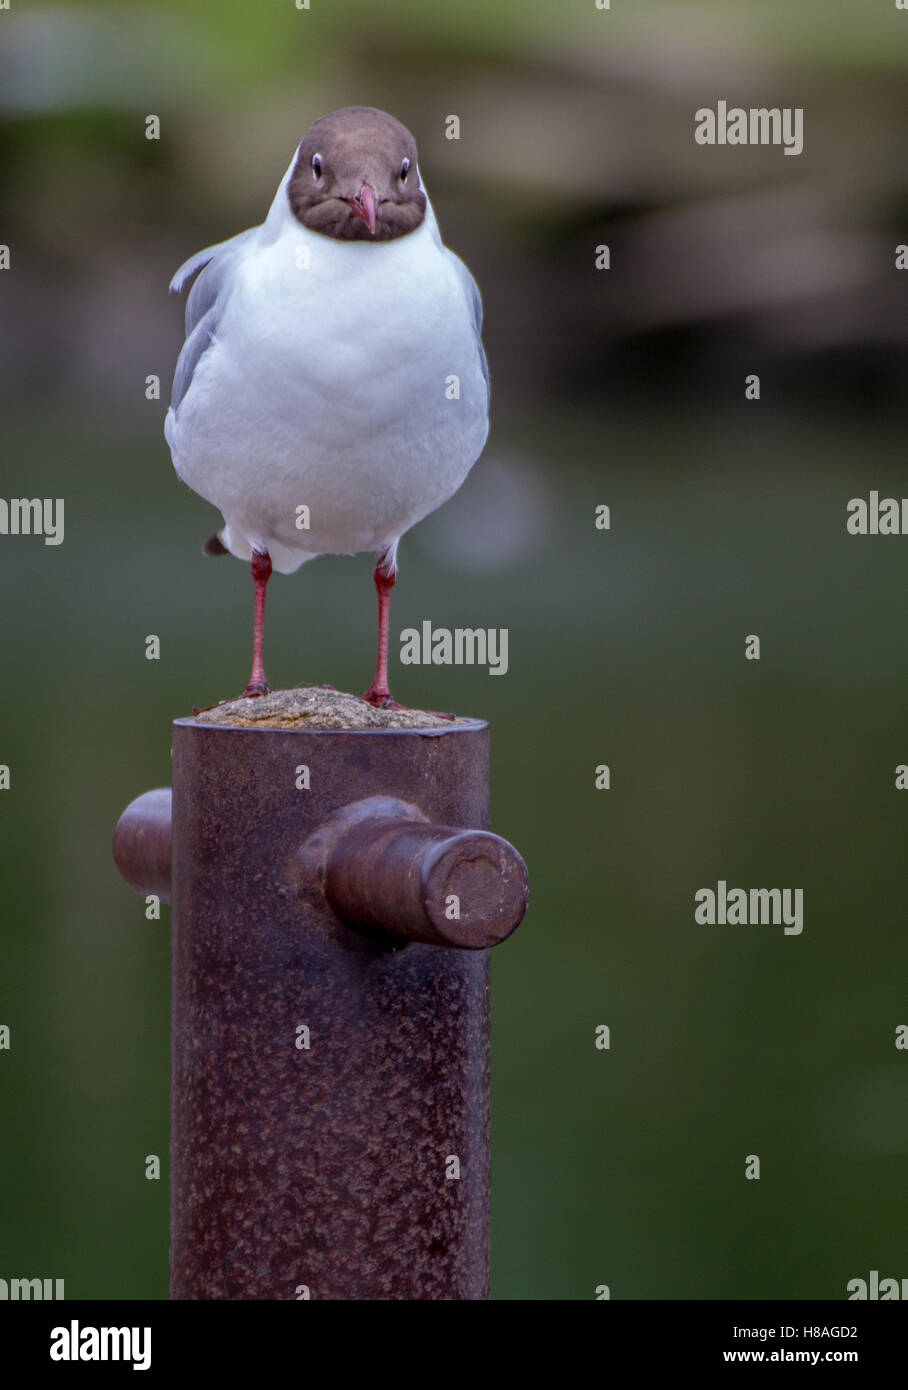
point(345, 378)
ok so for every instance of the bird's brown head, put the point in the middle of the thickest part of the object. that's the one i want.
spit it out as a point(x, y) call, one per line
point(356, 179)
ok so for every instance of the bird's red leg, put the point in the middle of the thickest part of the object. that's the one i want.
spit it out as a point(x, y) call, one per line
point(261, 573)
point(385, 575)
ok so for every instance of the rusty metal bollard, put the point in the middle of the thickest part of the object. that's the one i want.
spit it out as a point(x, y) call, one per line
point(330, 1094)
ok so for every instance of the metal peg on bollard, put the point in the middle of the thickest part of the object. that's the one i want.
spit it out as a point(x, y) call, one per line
point(141, 843)
point(387, 870)
point(330, 1006)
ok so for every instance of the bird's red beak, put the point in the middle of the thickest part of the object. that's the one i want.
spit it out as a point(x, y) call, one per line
point(363, 207)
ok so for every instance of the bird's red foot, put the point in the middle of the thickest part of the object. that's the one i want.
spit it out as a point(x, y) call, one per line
point(249, 693)
point(380, 697)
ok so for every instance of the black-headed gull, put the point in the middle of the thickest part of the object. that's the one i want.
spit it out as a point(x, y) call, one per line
point(332, 389)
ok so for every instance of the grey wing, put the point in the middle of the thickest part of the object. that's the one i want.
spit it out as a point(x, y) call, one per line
point(198, 342)
point(474, 301)
point(203, 305)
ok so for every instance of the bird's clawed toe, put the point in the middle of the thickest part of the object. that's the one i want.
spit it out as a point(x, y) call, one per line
point(249, 693)
point(380, 698)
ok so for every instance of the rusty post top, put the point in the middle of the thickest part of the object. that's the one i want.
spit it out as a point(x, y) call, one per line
point(255, 728)
point(322, 708)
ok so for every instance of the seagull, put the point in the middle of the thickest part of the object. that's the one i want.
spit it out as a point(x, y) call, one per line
point(332, 389)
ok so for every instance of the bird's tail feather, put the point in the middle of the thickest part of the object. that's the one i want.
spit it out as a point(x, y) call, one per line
point(230, 541)
point(214, 545)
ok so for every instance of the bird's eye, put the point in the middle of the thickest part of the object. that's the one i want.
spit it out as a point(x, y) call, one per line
point(316, 166)
point(404, 170)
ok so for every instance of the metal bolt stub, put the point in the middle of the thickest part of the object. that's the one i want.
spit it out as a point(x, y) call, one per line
point(386, 869)
point(141, 843)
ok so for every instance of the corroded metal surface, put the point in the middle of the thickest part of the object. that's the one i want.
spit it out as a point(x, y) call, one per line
point(330, 1090)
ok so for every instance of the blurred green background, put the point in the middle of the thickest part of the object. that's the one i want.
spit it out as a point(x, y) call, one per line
point(622, 1167)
